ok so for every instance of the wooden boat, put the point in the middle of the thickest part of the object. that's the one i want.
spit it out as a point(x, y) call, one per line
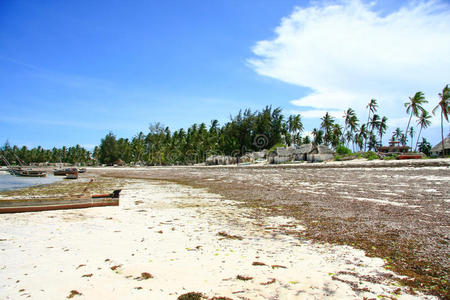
point(409, 156)
point(72, 176)
point(65, 172)
point(42, 204)
point(30, 173)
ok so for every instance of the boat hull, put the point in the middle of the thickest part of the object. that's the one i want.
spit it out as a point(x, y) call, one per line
point(22, 174)
point(43, 204)
point(4, 210)
point(64, 172)
point(409, 156)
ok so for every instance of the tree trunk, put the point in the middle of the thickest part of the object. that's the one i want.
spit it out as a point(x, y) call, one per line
point(367, 126)
point(406, 132)
point(442, 133)
point(418, 137)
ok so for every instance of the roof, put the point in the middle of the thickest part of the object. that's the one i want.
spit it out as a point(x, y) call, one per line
point(305, 148)
point(322, 149)
point(438, 147)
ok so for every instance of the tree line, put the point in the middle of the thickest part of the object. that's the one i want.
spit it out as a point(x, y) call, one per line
point(24, 155)
point(246, 132)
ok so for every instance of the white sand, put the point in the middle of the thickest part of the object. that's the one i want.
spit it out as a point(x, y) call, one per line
point(170, 231)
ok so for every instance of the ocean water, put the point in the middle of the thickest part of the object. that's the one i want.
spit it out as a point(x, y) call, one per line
point(11, 182)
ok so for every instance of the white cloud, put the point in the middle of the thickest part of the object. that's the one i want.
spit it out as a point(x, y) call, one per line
point(347, 53)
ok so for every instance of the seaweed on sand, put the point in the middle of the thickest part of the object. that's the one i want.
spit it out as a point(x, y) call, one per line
point(244, 278)
point(316, 195)
point(74, 293)
point(229, 236)
point(192, 296)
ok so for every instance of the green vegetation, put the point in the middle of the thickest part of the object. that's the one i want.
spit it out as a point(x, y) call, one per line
point(370, 155)
point(342, 150)
point(246, 132)
point(279, 145)
point(425, 147)
point(71, 155)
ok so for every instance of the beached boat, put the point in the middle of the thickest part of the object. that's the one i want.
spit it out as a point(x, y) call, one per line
point(30, 173)
point(42, 204)
point(409, 156)
point(72, 176)
point(65, 172)
point(82, 170)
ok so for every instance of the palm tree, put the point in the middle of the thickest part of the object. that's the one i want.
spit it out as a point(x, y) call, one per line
point(348, 137)
point(327, 124)
point(348, 115)
point(361, 136)
point(353, 123)
point(318, 136)
point(382, 127)
point(414, 106)
point(295, 126)
point(374, 123)
point(397, 134)
point(372, 106)
point(336, 135)
point(444, 104)
point(411, 134)
point(423, 122)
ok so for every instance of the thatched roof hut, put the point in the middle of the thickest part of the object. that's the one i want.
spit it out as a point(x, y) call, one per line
point(437, 150)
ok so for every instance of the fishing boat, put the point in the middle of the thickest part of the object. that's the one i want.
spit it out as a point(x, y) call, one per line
point(409, 156)
point(43, 204)
point(65, 172)
point(30, 173)
point(21, 171)
point(72, 175)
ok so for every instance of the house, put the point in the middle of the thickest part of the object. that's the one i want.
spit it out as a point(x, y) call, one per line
point(437, 150)
point(394, 147)
point(306, 152)
point(220, 160)
point(320, 153)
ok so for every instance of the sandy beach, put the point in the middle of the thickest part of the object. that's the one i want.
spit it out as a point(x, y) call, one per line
point(167, 239)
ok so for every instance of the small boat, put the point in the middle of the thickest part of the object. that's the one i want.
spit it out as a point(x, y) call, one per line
point(82, 170)
point(72, 176)
point(409, 156)
point(65, 172)
point(30, 173)
point(42, 204)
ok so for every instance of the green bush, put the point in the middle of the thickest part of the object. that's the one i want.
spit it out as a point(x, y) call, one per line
point(342, 150)
point(370, 155)
point(279, 145)
point(337, 157)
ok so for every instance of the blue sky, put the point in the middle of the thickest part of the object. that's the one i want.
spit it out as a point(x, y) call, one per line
point(70, 71)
